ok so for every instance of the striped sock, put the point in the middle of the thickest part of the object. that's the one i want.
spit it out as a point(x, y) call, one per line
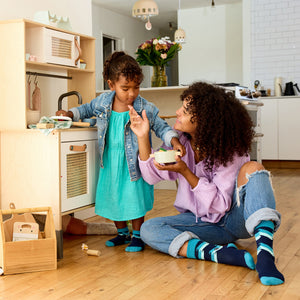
point(122, 238)
point(136, 244)
point(228, 254)
point(265, 266)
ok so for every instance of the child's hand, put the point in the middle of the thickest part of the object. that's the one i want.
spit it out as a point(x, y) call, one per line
point(178, 146)
point(139, 125)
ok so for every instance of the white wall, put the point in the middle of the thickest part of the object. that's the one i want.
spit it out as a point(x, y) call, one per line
point(132, 31)
point(79, 11)
point(213, 48)
point(275, 27)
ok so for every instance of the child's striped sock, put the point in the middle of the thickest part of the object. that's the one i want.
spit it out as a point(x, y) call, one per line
point(265, 266)
point(136, 244)
point(228, 254)
point(122, 238)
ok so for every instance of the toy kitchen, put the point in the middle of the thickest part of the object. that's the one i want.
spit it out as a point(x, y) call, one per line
point(52, 165)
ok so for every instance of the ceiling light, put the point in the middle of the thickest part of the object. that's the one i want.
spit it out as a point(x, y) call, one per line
point(145, 9)
point(179, 35)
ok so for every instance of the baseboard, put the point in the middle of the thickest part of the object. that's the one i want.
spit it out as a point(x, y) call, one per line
point(281, 164)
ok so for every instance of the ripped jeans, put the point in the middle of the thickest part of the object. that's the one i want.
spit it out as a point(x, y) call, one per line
point(256, 203)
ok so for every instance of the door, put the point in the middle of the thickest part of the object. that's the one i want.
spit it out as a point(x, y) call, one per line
point(269, 128)
point(289, 125)
point(78, 174)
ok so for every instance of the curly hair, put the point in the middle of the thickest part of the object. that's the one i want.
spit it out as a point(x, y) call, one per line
point(120, 63)
point(224, 127)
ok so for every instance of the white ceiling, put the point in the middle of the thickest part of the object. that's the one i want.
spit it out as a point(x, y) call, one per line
point(167, 8)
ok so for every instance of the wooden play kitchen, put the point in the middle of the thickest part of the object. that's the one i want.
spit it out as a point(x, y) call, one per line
point(35, 166)
point(27, 255)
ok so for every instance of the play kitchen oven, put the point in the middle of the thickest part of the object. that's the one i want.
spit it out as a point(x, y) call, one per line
point(79, 168)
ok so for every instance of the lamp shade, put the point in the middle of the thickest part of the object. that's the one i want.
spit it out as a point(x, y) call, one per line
point(144, 9)
point(179, 36)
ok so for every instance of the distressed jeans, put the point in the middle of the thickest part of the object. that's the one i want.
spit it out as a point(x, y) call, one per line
point(252, 203)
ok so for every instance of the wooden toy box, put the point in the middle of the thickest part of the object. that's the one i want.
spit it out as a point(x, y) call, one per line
point(28, 255)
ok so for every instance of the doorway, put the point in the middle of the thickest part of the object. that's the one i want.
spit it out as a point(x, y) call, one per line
point(110, 44)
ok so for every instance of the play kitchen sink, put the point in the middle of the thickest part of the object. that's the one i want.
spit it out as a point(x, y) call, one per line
point(85, 122)
point(62, 96)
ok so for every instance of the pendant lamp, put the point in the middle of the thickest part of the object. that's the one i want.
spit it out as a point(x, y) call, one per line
point(179, 36)
point(145, 9)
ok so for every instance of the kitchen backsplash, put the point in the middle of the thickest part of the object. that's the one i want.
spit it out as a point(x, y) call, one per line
point(275, 41)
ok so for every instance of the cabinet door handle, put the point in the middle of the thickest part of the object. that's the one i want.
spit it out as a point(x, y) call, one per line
point(78, 148)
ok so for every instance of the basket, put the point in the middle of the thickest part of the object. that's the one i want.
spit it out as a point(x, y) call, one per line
point(27, 255)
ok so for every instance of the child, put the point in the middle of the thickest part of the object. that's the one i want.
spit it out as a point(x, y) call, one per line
point(122, 194)
point(222, 196)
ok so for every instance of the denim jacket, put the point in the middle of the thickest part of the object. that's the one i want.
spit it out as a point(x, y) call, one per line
point(101, 108)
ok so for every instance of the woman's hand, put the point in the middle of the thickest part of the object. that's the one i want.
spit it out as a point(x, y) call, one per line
point(139, 125)
point(178, 146)
point(178, 167)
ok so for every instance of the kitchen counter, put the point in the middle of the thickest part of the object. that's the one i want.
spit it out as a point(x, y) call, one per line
point(281, 97)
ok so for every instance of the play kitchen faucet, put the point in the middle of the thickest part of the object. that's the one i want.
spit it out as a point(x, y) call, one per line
point(61, 97)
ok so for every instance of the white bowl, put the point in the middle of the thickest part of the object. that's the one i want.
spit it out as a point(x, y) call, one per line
point(164, 157)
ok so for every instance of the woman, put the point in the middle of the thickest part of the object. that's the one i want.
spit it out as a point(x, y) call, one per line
point(222, 195)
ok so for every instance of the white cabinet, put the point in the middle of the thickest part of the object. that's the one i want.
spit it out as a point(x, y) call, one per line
point(289, 129)
point(281, 128)
point(269, 127)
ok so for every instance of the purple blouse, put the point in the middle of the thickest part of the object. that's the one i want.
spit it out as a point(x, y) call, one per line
point(212, 196)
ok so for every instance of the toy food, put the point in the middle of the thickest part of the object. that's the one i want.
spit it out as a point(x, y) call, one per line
point(164, 156)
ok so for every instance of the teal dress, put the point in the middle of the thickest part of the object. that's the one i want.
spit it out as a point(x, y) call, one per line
point(118, 198)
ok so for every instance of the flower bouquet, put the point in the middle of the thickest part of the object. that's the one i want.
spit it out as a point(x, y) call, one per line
point(157, 52)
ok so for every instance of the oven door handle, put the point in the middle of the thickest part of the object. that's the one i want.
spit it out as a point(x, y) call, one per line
point(78, 148)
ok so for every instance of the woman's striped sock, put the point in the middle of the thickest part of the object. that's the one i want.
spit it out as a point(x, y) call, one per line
point(228, 254)
point(265, 266)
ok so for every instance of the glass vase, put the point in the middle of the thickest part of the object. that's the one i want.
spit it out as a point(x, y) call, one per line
point(159, 77)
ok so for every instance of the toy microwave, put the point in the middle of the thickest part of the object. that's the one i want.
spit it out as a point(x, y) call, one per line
point(52, 46)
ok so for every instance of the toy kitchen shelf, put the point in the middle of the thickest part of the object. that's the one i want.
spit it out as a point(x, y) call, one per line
point(32, 162)
point(14, 67)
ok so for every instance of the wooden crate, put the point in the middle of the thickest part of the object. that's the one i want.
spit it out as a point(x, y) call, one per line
point(30, 255)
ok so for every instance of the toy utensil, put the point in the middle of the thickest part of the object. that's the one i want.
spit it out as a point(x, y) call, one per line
point(89, 251)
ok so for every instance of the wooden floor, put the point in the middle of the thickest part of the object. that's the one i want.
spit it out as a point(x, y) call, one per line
point(117, 274)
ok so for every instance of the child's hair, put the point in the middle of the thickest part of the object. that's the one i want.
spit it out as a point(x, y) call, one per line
point(120, 63)
point(224, 127)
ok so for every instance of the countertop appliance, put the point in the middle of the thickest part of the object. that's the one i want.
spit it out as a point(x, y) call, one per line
point(55, 47)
